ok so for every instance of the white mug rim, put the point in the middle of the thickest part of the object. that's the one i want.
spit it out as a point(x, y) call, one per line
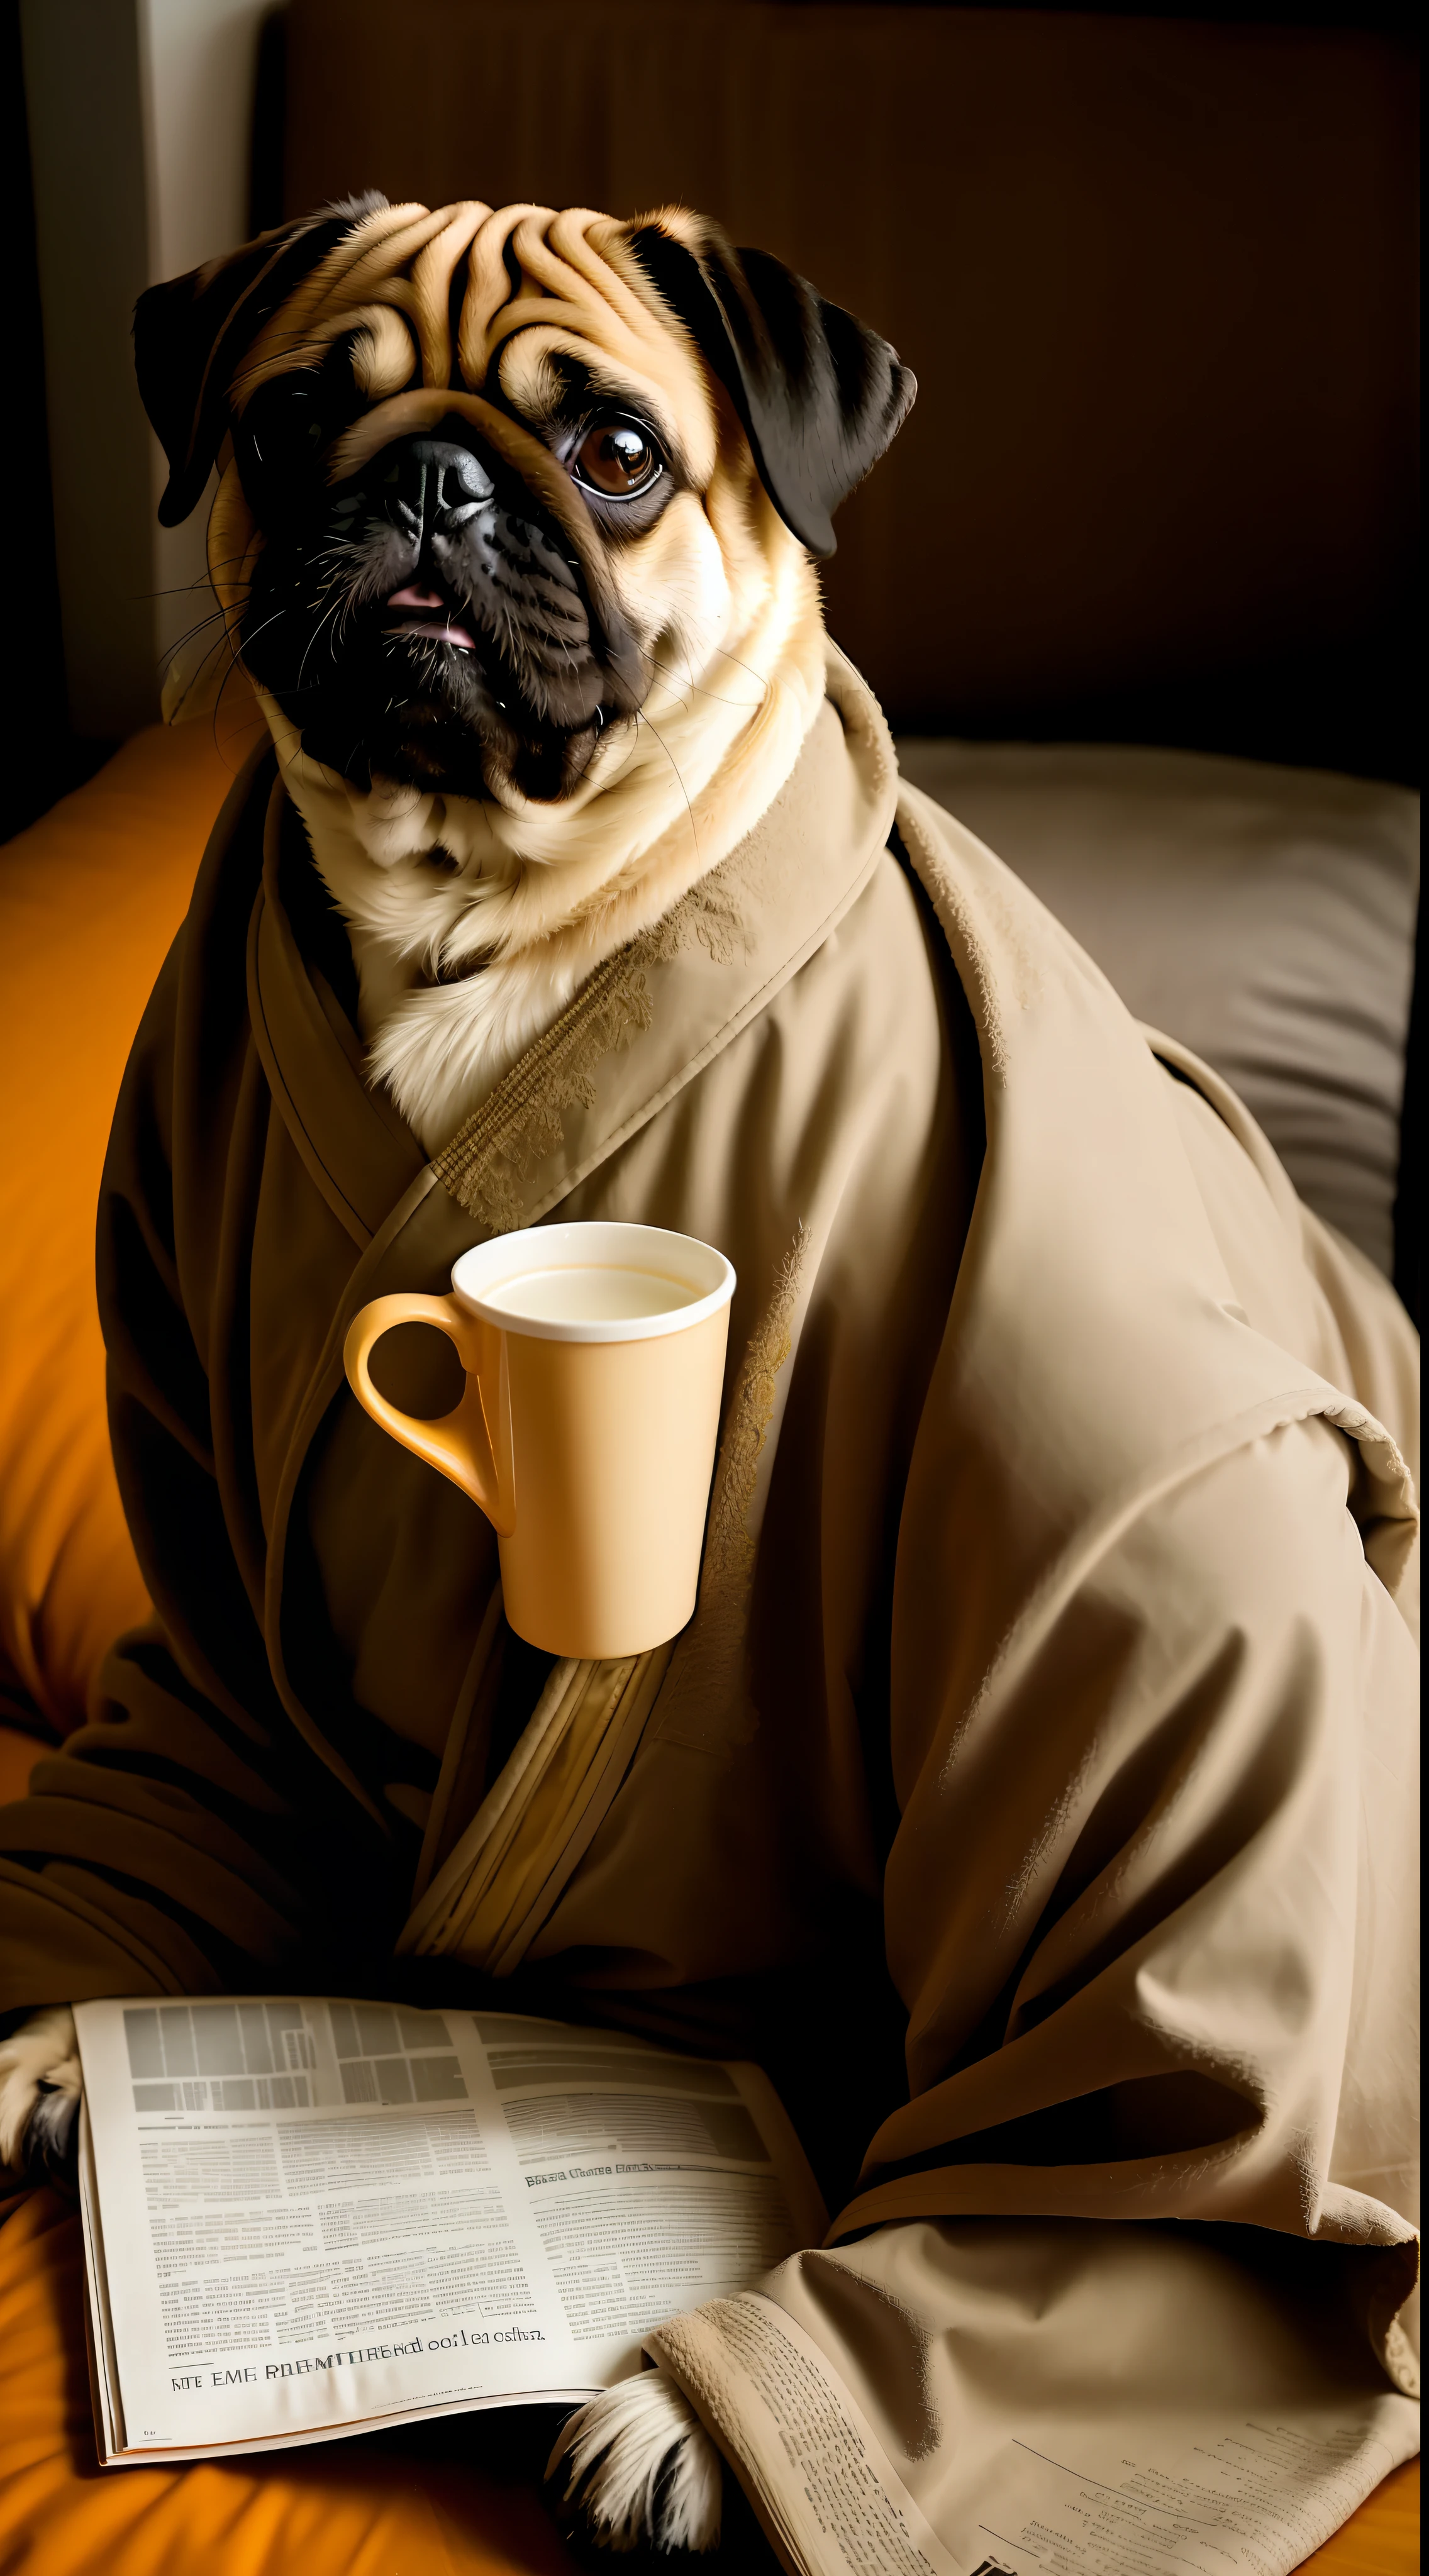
point(580, 1245)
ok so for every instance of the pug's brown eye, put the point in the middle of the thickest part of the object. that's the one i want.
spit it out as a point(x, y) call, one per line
point(617, 460)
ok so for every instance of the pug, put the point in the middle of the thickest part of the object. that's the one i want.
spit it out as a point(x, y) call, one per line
point(514, 540)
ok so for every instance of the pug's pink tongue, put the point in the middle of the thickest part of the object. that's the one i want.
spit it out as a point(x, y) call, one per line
point(441, 625)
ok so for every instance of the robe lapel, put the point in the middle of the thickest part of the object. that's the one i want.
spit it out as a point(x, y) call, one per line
point(355, 1147)
point(651, 1018)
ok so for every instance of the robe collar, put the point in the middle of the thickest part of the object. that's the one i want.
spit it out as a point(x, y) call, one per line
point(644, 1023)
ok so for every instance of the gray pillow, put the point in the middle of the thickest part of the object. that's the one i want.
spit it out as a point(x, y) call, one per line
point(1263, 916)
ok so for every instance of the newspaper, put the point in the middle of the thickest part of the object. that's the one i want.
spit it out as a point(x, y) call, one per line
point(304, 2218)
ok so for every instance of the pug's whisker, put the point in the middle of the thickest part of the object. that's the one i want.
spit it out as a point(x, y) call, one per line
point(257, 717)
point(760, 678)
point(183, 590)
point(212, 616)
point(201, 581)
point(327, 615)
point(178, 644)
point(715, 697)
point(246, 642)
point(674, 680)
point(642, 718)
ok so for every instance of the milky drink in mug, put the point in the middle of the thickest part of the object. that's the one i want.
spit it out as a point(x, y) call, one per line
point(594, 1358)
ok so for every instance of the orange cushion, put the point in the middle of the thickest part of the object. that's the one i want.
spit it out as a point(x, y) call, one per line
point(345, 2509)
point(90, 898)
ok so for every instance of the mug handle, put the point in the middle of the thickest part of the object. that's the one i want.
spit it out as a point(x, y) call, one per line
point(457, 1443)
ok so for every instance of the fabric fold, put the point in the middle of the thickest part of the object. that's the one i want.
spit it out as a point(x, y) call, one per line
point(505, 1873)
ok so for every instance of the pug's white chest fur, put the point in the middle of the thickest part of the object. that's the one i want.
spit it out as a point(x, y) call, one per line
point(407, 872)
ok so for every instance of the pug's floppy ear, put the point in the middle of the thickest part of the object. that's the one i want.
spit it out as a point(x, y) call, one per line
point(819, 397)
point(189, 335)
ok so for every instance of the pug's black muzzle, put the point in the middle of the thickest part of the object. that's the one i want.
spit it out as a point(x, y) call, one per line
point(435, 618)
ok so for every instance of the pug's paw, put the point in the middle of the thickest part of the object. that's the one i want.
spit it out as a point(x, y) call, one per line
point(641, 2466)
point(39, 2092)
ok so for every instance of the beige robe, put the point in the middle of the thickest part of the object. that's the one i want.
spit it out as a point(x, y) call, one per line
point(1033, 1789)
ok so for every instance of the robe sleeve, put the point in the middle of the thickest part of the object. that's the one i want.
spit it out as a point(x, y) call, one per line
point(185, 1839)
point(963, 2395)
point(1156, 1928)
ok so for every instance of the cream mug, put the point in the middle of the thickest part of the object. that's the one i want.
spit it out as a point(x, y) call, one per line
point(594, 1359)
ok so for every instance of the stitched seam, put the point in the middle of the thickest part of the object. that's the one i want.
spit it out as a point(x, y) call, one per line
point(522, 1122)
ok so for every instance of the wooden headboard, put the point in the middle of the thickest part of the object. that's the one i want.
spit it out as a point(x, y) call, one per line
point(1157, 279)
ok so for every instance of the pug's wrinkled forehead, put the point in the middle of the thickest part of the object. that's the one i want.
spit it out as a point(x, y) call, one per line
point(430, 304)
point(515, 303)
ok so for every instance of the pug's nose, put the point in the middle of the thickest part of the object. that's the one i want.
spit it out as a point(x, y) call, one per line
point(438, 486)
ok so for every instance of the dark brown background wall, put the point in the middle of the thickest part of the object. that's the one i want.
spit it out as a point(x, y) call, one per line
point(1158, 280)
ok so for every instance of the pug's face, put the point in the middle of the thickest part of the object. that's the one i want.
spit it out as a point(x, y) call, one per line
point(489, 476)
point(451, 613)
